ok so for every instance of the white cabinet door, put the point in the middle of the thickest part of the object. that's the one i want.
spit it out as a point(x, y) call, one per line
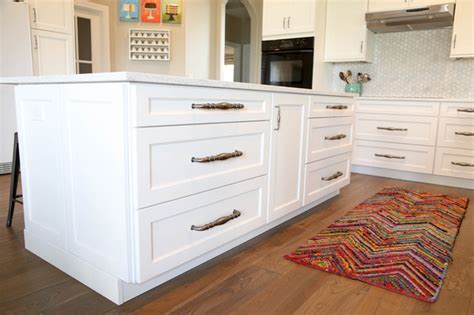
point(284, 18)
point(287, 154)
point(53, 53)
point(347, 37)
point(52, 15)
point(462, 42)
point(387, 5)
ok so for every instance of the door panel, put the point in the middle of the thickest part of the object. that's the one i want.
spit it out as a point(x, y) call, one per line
point(53, 53)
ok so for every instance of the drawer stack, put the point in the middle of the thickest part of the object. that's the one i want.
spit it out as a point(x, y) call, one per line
point(200, 165)
point(329, 145)
point(398, 135)
point(455, 147)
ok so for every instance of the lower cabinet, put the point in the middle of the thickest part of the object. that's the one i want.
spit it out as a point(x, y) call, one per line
point(454, 162)
point(287, 154)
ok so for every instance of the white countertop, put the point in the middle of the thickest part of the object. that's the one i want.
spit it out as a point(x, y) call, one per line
point(157, 78)
point(413, 99)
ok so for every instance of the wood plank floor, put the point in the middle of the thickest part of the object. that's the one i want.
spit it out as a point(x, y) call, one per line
point(251, 279)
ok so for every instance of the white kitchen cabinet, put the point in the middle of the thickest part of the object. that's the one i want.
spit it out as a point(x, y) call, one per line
point(390, 5)
point(52, 15)
point(347, 37)
point(53, 53)
point(462, 42)
point(285, 19)
point(287, 154)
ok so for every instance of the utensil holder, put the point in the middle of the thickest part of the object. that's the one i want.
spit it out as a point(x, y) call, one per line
point(353, 88)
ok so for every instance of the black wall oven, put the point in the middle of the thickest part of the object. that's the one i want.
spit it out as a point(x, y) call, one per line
point(288, 62)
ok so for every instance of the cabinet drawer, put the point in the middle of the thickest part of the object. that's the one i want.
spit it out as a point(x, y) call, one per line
point(169, 105)
point(171, 162)
point(393, 128)
point(165, 237)
point(326, 176)
point(398, 107)
point(405, 157)
point(455, 162)
point(456, 133)
point(331, 106)
point(457, 109)
point(328, 137)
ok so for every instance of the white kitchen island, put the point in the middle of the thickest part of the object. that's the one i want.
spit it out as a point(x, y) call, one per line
point(131, 179)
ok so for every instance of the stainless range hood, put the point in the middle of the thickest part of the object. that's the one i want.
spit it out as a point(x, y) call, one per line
point(415, 19)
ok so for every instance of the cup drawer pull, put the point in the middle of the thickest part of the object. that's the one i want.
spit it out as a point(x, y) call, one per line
point(464, 164)
point(462, 133)
point(336, 137)
point(389, 156)
point(333, 176)
point(219, 221)
point(466, 110)
point(336, 107)
point(392, 129)
point(218, 157)
point(221, 105)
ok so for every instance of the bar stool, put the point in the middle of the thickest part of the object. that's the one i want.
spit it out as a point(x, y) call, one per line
point(14, 197)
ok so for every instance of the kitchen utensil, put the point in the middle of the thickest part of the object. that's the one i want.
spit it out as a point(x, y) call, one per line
point(366, 77)
point(349, 76)
point(359, 77)
point(343, 77)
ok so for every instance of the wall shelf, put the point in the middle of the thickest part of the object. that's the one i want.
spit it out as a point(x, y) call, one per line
point(151, 45)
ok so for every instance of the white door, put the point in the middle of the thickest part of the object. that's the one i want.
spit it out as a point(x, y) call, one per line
point(387, 5)
point(52, 15)
point(91, 25)
point(300, 16)
point(346, 32)
point(287, 154)
point(462, 44)
point(53, 53)
point(274, 17)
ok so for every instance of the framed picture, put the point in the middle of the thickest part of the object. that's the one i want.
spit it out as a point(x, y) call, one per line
point(150, 11)
point(128, 10)
point(171, 11)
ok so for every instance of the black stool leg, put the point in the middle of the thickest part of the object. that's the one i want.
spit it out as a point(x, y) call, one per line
point(14, 179)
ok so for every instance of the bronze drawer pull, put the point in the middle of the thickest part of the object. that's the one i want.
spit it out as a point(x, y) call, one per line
point(336, 107)
point(392, 129)
point(219, 221)
point(466, 110)
point(221, 105)
point(333, 176)
point(218, 157)
point(462, 133)
point(462, 164)
point(336, 137)
point(389, 156)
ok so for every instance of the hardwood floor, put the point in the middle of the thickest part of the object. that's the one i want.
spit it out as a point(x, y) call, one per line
point(251, 279)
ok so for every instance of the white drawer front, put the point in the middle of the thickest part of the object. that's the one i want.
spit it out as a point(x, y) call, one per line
point(164, 158)
point(326, 176)
point(455, 162)
point(398, 107)
point(405, 157)
point(457, 109)
point(328, 137)
point(331, 106)
point(456, 133)
point(166, 240)
point(393, 128)
point(173, 105)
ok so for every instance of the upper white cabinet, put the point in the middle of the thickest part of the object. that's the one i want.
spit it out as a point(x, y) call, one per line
point(462, 42)
point(347, 37)
point(287, 154)
point(389, 5)
point(284, 19)
point(53, 53)
point(52, 15)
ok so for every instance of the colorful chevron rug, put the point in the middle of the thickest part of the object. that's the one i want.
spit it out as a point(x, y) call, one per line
point(399, 239)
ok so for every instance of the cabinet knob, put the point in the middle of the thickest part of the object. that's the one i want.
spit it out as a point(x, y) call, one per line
point(284, 22)
point(278, 118)
point(34, 15)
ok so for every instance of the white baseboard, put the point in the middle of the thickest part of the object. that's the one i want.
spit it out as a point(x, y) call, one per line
point(415, 177)
point(119, 291)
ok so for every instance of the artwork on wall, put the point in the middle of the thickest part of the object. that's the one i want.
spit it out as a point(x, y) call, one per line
point(128, 10)
point(171, 11)
point(150, 11)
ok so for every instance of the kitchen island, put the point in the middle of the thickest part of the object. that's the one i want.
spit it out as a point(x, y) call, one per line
point(131, 179)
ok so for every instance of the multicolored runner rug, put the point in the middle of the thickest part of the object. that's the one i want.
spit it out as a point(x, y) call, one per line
point(399, 239)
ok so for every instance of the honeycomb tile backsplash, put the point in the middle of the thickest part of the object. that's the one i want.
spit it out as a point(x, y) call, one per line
point(413, 64)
